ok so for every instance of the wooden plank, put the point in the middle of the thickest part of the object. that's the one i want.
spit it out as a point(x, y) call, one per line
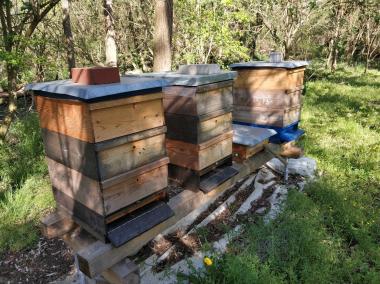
point(56, 224)
point(198, 100)
point(104, 145)
point(270, 99)
point(198, 157)
point(198, 129)
point(71, 152)
point(126, 157)
point(274, 117)
point(99, 256)
point(269, 79)
point(76, 185)
point(69, 117)
point(125, 101)
point(126, 119)
point(135, 188)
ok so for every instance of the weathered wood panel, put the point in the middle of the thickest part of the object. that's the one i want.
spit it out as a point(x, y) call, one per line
point(269, 79)
point(267, 98)
point(76, 185)
point(198, 100)
point(135, 188)
point(263, 116)
point(131, 155)
point(200, 156)
point(126, 119)
point(69, 117)
point(198, 129)
point(71, 152)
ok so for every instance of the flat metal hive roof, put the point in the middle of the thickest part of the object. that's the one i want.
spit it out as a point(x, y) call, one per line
point(178, 79)
point(128, 86)
point(249, 135)
point(266, 64)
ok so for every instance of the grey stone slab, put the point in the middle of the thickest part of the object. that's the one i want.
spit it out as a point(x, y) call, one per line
point(127, 86)
point(266, 64)
point(249, 135)
point(199, 69)
point(177, 79)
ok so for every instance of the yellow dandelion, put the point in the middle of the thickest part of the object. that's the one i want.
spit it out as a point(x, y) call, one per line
point(207, 261)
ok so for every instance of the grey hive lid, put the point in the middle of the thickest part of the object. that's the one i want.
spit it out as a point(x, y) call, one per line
point(249, 135)
point(128, 86)
point(192, 75)
point(266, 64)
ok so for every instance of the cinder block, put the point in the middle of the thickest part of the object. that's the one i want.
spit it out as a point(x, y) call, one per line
point(95, 75)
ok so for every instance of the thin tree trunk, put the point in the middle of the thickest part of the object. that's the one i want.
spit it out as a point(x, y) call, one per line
point(162, 41)
point(111, 50)
point(68, 35)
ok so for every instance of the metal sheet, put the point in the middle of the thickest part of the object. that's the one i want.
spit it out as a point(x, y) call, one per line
point(251, 136)
point(266, 64)
point(178, 79)
point(220, 176)
point(144, 219)
point(128, 86)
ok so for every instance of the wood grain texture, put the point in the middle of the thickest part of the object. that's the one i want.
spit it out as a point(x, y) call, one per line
point(76, 185)
point(263, 116)
point(192, 101)
point(198, 129)
point(200, 156)
point(277, 99)
point(69, 117)
point(126, 119)
point(135, 188)
point(71, 152)
point(126, 157)
point(269, 79)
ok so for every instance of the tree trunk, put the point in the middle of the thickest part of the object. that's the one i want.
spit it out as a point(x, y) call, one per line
point(111, 50)
point(68, 35)
point(162, 41)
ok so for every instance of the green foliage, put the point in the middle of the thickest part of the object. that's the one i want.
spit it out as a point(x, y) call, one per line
point(330, 233)
point(25, 192)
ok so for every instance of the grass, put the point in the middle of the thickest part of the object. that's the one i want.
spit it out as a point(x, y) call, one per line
point(331, 232)
point(25, 192)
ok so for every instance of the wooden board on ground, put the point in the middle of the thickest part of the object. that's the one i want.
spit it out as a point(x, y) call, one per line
point(99, 256)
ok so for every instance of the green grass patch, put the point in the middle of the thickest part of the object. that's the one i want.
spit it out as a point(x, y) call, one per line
point(25, 192)
point(331, 232)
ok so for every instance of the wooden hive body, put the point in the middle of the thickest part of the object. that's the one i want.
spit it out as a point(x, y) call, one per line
point(268, 96)
point(106, 159)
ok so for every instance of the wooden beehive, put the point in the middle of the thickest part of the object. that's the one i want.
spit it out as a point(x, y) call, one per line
point(105, 150)
point(268, 93)
point(198, 113)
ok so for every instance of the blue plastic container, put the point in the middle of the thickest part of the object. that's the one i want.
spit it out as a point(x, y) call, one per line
point(284, 134)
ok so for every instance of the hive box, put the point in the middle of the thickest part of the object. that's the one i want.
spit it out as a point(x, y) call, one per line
point(198, 105)
point(105, 150)
point(248, 141)
point(268, 93)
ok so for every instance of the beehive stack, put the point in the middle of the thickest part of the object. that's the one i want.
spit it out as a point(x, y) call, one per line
point(105, 150)
point(198, 106)
point(268, 95)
